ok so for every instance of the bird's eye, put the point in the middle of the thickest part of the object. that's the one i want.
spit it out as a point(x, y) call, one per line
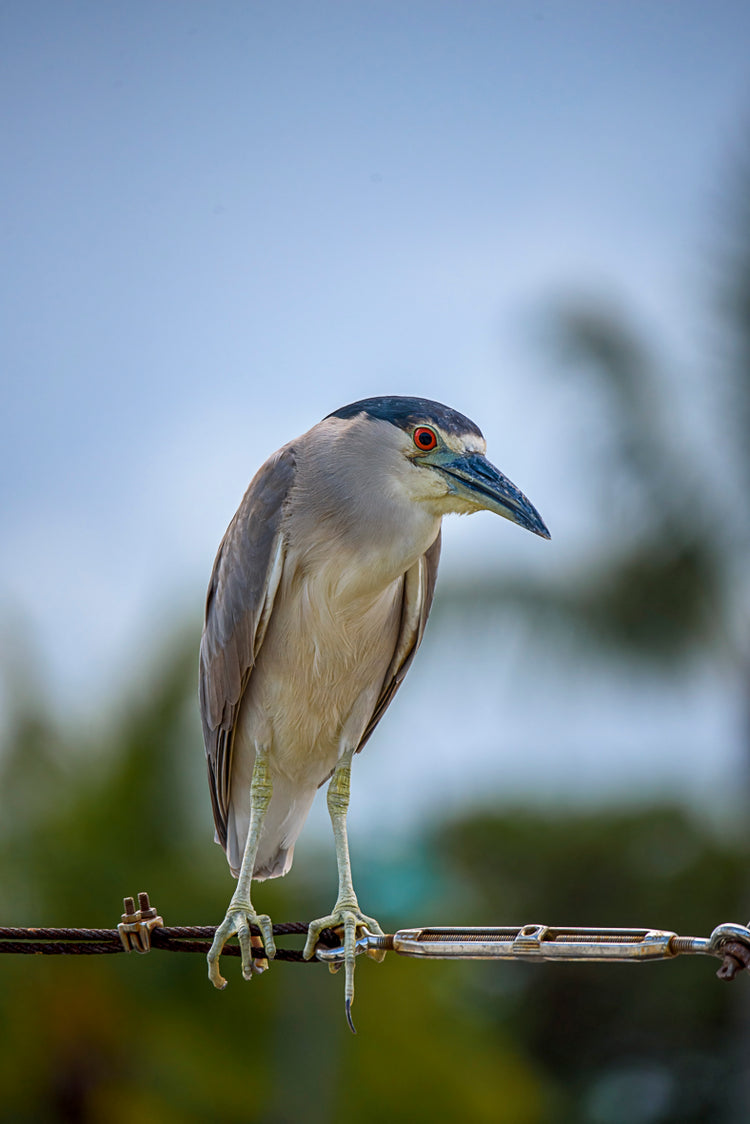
point(425, 438)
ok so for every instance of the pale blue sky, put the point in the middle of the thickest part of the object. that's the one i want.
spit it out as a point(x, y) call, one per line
point(222, 221)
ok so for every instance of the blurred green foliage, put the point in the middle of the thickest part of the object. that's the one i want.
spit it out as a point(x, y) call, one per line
point(89, 815)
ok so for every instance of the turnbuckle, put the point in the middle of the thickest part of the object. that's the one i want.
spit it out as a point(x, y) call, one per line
point(729, 941)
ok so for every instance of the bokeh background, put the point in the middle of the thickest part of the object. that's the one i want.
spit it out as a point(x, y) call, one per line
point(221, 222)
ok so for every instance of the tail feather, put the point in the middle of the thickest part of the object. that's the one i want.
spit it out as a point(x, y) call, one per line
point(282, 824)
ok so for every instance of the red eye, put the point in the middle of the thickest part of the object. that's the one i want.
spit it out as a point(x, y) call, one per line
point(425, 439)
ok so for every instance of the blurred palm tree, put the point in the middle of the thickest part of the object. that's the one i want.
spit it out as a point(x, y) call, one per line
point(670, 583)
point(673, 587)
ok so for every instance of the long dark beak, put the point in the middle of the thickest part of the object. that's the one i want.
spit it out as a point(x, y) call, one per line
point(474, 478)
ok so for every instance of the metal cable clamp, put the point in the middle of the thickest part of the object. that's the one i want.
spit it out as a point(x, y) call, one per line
point(137, 924)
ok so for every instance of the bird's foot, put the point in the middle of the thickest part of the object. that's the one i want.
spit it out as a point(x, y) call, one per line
point(346, 916)
point(238, 920)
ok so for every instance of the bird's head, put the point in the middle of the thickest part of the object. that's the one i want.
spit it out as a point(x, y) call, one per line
point(436, 457)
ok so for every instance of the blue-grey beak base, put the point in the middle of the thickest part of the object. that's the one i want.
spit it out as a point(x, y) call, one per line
point(474, 478)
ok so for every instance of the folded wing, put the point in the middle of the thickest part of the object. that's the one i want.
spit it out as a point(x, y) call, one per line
point(239, 602)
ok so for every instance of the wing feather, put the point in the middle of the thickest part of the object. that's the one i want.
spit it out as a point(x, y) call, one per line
point(243, 585)
point(418, 592)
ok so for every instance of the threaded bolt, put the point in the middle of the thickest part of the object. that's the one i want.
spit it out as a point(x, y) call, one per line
point(146, 909)
point(128, 911)
point(679, 945)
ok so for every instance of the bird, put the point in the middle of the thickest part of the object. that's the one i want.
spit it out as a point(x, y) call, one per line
point(316, 606)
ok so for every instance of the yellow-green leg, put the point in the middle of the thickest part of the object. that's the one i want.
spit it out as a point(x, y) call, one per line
point(241, 914)
point(346, 912)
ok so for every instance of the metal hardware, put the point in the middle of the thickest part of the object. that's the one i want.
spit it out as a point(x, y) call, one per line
point(137, 924)
point(556, 942)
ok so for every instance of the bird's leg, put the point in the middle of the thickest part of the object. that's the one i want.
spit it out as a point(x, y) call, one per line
point(241, 914)
point(346, 912)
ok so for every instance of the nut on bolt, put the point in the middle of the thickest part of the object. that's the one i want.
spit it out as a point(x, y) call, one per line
point(145, 908)
point(129, 916)
point(136, 925)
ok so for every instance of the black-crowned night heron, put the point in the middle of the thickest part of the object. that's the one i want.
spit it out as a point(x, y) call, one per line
point(316, 607)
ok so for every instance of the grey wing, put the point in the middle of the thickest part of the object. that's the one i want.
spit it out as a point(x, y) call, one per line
point(243, 585)
point(418, 591)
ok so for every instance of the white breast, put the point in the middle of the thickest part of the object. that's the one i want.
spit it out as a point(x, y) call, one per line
point(319, 672)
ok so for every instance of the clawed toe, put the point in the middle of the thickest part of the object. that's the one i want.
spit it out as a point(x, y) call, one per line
point(354, 923)
point(237, 922)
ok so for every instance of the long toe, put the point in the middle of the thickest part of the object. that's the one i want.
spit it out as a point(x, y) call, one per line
point(237, 923)
point(354, 924)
